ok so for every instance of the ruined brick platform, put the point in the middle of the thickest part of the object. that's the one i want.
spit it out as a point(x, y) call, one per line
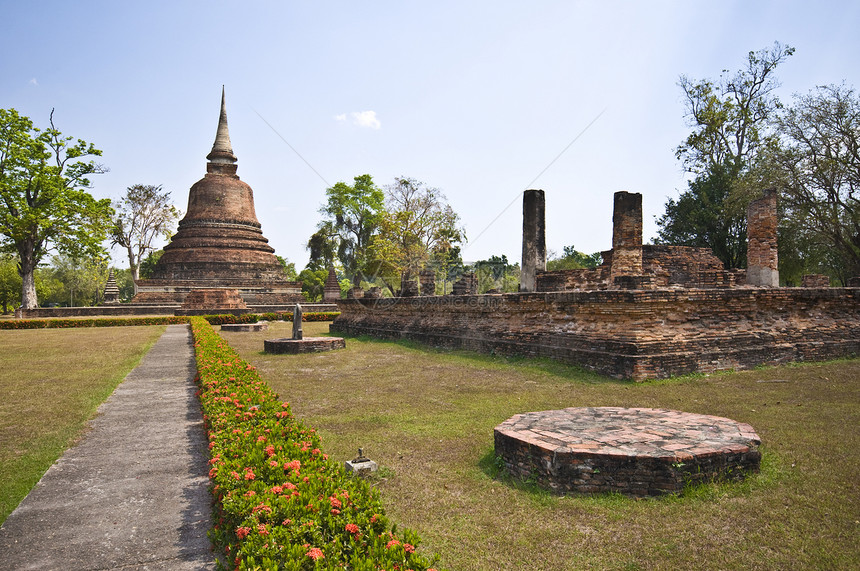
point(245, 327)
point(627, 334)
point(632, 451)
point(306, 345)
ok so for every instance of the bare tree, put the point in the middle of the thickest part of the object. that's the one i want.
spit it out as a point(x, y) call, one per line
point(142, 215)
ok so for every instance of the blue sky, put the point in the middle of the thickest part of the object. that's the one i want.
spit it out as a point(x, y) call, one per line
point(475, 98)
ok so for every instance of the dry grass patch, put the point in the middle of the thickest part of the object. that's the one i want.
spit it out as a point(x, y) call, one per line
point(427, 417)
point(51, 382)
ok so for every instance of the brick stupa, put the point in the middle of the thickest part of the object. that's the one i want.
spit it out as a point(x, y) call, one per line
point(219, 242)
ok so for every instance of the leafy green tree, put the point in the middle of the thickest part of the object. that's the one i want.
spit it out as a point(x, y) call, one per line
point(124, 282)
point(313, 283)
point(497, 274)
point(45, 206)
point(50, 290)
point(352, 217)
point(147, 265)
point(729, 119)
point(708, 215)
point(447, 261)
point(10, 283)
point(142, 215)
point(289, 268)
point(82, 280)
point(816, 165)
point(573, 259)
point(417, 222)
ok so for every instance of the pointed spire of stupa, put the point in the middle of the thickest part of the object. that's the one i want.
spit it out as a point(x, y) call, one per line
point(222, 149)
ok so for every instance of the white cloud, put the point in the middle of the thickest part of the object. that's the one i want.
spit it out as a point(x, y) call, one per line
point(366, 119)
point(361, 118)
point(34, 82)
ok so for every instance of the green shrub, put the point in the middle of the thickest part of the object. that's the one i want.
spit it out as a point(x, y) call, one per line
point(280, 502)
point(158, 320)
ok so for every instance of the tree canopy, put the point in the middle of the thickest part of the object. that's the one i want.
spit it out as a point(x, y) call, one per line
point(572, 259)
point(352, 214)
point(729, 118)
point(417, 223)
point(143, 214)
point(815, 162)
point(45, 205)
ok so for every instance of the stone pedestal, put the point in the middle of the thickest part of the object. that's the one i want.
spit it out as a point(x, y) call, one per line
point(633, 451)
point(305, 345)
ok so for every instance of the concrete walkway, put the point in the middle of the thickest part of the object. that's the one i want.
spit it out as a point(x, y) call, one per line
point(132, 494)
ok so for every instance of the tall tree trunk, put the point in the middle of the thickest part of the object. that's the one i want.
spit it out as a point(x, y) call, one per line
point(27, 270)
point(135, 268)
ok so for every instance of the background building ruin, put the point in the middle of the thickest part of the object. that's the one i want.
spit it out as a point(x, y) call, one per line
point(645, 312)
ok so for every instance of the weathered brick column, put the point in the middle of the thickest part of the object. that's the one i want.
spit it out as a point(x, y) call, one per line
point(534, 238)
point(427, 280)
point(626, 235)
point(762, 256)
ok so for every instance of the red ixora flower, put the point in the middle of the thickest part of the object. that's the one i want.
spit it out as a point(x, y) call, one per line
point(242, 532)
point(315, 553)
point(351, 528)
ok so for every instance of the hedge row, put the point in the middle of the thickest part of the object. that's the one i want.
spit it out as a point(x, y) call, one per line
point(66, 323)
point(280, 502)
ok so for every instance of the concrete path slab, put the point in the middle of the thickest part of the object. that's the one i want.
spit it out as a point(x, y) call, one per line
point(132, 494)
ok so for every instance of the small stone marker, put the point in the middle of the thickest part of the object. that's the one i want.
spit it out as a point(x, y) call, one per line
point(361, 464)
point(297, 322)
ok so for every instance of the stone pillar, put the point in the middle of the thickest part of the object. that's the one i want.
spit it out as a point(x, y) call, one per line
point(297, 322)
point(427, 278)
point(466, 285)
point(534, 238)
point(408, 285)
point(815, 280)
point(762, 255)
point(331, 290)
point(626, 235)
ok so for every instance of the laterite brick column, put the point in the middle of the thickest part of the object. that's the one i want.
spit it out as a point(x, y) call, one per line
point(534, 238)
point(762, 254)
point(626, 235)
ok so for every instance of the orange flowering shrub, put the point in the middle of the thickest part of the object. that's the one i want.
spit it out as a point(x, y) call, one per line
point(280, 502)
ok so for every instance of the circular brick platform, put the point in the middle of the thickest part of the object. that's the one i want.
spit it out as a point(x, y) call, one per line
point(245, 327)
point(633, 451)
point(306, 345)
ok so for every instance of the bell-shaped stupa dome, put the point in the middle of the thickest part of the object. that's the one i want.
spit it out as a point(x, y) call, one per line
point(219, 242)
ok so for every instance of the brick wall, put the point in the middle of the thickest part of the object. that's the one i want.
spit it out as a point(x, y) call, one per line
point(627, 334)
point(684, 266)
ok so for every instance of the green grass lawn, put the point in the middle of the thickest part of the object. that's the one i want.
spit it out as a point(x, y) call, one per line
point(51, 382)
point(427, 417)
